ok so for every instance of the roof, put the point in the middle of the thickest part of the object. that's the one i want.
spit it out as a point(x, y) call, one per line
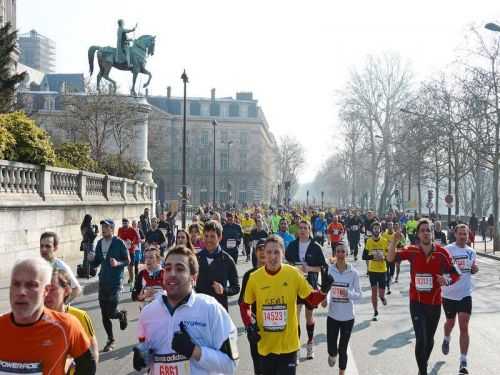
point(74, 82)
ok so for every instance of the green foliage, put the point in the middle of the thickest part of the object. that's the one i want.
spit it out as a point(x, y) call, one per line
point(8, 77)
point(32, 144)
point(7, 143)
point(75, 156)
point(114, 165)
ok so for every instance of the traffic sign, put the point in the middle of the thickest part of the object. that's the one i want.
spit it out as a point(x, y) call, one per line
point(429, 204)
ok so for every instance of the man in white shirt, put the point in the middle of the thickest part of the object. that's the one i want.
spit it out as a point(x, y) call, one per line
point(49, 242)
point(183, 332)
point(457, 298)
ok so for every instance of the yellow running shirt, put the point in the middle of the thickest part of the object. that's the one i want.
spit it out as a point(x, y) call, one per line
point(275, 297)
point(373, 248)
point(247, 225)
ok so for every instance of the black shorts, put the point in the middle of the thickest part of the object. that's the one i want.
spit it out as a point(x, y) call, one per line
point(377, 279)
point(452, 307)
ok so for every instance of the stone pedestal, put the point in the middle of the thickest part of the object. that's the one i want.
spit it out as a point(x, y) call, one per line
point(140, 110)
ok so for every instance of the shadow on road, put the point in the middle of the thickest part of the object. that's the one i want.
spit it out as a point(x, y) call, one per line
point(116, 354)
point(361, 326)
point(396, 341)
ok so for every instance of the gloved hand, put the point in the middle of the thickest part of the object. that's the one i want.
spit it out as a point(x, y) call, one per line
point(141, 357)
point(182, 342)
point(326, 282)
point(253, 333)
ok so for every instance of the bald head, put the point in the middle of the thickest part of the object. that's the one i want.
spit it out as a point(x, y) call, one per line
point(29, 284)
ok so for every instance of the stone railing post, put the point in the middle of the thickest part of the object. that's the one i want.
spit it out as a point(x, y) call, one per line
point(82, 185)
point(153, 196)
point(45, 176)
point(124, 189)
point(107, 187)
point(136, 190)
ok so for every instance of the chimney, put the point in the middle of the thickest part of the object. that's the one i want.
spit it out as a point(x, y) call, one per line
point(147, 93)
point(212, 94)
point(169, 92)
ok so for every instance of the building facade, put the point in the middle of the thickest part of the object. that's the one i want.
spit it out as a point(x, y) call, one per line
point(37, 51)
point(245, 149)
point(8, 12)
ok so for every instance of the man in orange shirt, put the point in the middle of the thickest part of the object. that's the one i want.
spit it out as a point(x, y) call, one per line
point(335, 231)
point(37, 339)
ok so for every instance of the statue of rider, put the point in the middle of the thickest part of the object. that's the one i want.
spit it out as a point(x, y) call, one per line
point(123, 43)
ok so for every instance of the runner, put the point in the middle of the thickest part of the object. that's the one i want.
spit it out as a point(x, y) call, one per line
point(261, 259)
point(258, 233)
point(56, 299)
point(308, 256)
point(439, 234)
point(457, 299)
point(49, 244)
point(195, 231)
point(247, 224)
point(148, 284)
point(274, 289)
point(344, 292)
point(391, 266)
point(335, 232)
point(218, 276)
point(231, 237)
point(37, 340)
point(429, 262)
point(112, 256)
point(375, 253)
point(131, 239)
point(155, 235)
point(319, 228)
point(354, 225)
point(182, 237)
point(399, 245)
point(184, 332)
point(284, 234)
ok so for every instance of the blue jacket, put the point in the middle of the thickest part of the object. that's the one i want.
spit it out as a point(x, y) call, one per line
point(287, 237)
point(320, 225)
point(111, 277)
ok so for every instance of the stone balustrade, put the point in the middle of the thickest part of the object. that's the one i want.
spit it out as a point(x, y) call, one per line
point(26, 183)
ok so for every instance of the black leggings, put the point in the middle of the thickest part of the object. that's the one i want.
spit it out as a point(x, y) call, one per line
point(256, 359)
point(279, 364)
point(391, 267)
point(247, 243)
point(354, 244)
point(333, 328)
point(108, 301)
point(425, 319)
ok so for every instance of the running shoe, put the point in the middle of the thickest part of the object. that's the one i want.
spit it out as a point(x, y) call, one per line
point(310, 350)
point(331, 360)
point(463, 368)
point(445, 347)
point(388, 292)
point(375, 316)
point(110, 345)
point(123, 320)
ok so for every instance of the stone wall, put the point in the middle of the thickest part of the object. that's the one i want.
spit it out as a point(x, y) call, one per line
point(35, 199)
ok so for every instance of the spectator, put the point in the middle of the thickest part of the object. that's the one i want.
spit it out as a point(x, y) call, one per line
point(89, 232)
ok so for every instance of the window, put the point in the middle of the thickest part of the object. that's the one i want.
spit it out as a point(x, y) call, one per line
point(174, 107)
point(223, 136)
point(195, 108)
point(243, 138)
point(204, 162)
point(203, 196)
point(243, 185)
point(224, 160)
point(204, 137)
point(234, 110)
point(252, 110)
point(242, 198)
point(243, 161)
point(214, 109)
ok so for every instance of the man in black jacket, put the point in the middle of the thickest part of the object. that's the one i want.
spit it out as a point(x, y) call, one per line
point(217, 276)
point(308, 256)
point(231, 237)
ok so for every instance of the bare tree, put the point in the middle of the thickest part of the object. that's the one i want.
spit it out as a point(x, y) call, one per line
point(290, 161)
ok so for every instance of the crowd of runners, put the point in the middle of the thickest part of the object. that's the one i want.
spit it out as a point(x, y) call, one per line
point(183, 280)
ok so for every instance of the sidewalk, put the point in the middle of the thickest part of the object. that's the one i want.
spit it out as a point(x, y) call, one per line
point(485, 248)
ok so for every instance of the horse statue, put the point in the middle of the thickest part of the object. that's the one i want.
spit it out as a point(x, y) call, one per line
point(107, 58)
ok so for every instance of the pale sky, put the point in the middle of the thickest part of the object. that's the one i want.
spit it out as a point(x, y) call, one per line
point(293, 55)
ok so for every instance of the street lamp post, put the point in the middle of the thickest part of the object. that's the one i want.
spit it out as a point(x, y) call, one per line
point(184, 78)
point(214, 124)
point(322, 200)
point(307, 198)
point(229, 186)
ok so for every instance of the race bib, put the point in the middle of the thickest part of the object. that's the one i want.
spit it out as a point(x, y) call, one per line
point(378, 254)
point(423, 282)
point(171, 364)
point(336, 232)
point(13, 368)
point(354, 227)
point(463, 263)
point(339, 293)
point(231, 244)
point(274, 317)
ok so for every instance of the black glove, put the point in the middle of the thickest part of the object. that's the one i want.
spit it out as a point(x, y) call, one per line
point(138, 361)
point(326, 282)
point(182, 342)
point(253, 334)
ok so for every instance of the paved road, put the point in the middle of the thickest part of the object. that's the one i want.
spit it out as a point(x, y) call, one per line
point(381, 347)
